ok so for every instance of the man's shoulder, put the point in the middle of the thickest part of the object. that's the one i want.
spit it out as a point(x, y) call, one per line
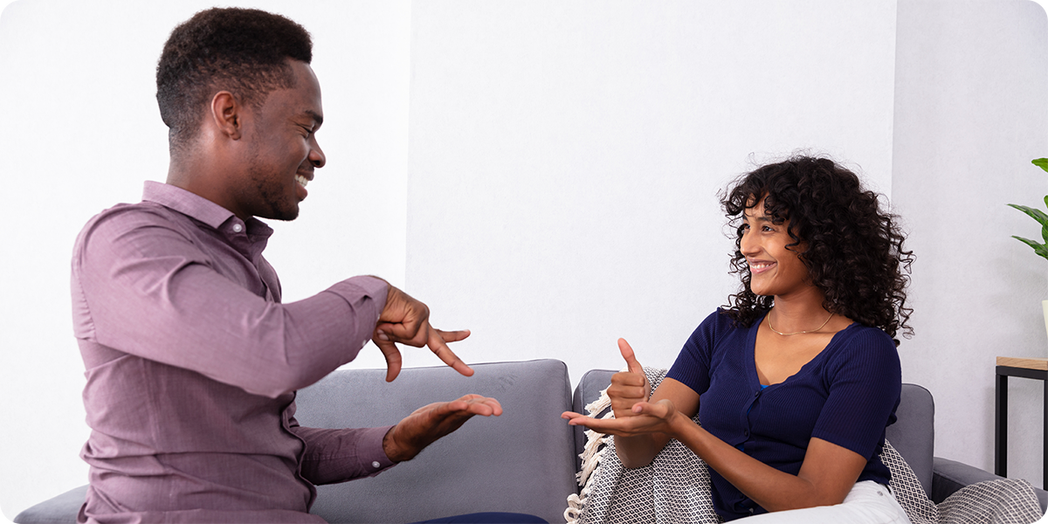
point(122, 218)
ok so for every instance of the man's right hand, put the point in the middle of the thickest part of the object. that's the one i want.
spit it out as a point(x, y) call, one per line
point(406, 320)
point(628, 387)
point(429, 423)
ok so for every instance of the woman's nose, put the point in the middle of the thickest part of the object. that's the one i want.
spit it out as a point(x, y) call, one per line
point(748, 245)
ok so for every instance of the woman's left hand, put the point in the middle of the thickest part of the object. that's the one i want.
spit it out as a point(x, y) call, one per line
point(652, 417)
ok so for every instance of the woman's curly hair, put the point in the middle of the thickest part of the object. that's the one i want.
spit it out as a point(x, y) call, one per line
point(852, 248)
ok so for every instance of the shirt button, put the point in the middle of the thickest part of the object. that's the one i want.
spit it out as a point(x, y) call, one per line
point(237, 228)
point(376, 465)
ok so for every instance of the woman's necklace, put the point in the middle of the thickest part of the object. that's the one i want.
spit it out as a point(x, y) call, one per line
point(800, 332)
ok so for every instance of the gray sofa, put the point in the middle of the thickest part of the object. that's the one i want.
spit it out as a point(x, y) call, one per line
point(524, 461)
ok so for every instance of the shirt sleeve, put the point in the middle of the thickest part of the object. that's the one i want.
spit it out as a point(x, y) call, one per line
point(692, 367)
point(865, 387)
point(147, 289)
point(339, 455)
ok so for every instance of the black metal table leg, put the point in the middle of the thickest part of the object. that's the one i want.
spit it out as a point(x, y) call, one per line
point(1044, 440)
point(1000, 442)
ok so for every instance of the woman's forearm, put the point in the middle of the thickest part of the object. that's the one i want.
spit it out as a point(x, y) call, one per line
point(824, 480)
point(638, 451)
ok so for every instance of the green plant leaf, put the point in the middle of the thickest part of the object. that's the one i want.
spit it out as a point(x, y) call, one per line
point(1041, 163)
point(1040, 249)
point(1042, 252)
point(1033, 213)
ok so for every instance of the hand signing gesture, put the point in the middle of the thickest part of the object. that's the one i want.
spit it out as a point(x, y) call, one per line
point(628, 387)
point(429, 423)
point(406, 320)
point(629, 392)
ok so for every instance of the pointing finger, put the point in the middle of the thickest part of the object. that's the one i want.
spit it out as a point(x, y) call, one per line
point(441, 349)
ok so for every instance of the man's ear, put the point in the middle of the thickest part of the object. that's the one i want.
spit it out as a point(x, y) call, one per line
point(225, 114)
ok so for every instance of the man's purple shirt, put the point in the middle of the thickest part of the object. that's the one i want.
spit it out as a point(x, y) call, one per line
point(192, 365)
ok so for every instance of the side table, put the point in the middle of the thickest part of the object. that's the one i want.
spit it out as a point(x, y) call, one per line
point(1035, 368)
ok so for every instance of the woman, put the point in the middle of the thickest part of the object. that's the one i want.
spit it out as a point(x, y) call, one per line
point(799, 374)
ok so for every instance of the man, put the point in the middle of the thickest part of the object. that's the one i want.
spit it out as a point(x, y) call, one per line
point(192, 361)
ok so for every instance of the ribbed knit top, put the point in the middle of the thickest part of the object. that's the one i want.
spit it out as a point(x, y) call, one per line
point(846, 395)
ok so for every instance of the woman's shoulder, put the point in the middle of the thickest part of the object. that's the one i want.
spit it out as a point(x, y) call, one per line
point(715, 328)
point(865, 349)
point(873, 338)
point(719, 321)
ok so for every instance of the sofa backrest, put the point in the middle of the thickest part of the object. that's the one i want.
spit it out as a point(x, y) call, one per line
point(913, 435)
point(518, 462)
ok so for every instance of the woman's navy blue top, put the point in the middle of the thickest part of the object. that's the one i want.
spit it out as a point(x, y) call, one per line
point(846, 395)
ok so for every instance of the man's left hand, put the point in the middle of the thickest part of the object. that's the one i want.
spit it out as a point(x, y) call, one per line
point(429, 423)
point(406, 320)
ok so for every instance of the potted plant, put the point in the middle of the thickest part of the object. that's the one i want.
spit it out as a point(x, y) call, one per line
point(1042, 218)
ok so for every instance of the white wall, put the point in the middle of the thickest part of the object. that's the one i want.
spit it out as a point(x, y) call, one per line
point(80, 131)
point(558, 185)
point(566, 157)
point(971, 112)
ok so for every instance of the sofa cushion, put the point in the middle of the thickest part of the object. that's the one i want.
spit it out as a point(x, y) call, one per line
point(61, 509)
point(913, 434)
point(520, 461)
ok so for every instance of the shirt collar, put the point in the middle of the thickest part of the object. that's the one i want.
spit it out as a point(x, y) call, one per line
point(201, 209)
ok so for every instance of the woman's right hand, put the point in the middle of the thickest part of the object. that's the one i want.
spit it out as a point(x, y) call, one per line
point(643, 424)
point(628, 387)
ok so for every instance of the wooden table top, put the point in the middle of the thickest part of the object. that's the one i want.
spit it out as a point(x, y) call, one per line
point(1027, 363)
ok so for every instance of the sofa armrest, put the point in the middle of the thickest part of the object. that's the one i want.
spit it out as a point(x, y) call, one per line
point(950, 476)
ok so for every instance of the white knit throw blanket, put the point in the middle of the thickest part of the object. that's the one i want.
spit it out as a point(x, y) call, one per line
point(675, 487)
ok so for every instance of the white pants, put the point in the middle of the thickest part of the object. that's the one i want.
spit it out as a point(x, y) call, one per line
point(867, 503)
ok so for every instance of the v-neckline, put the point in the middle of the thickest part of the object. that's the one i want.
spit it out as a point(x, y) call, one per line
point(751, 342)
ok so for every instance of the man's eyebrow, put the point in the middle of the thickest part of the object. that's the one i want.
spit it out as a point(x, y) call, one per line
point(317, 117)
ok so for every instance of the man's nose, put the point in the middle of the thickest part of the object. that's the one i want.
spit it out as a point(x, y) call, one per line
point(316, 156)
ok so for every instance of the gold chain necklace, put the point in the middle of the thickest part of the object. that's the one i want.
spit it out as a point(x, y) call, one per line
point(799, 332)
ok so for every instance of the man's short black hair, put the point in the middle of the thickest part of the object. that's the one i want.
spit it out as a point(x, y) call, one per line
point(243, 51)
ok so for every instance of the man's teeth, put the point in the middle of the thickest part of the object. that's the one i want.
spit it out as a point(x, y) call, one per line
point(301, 180)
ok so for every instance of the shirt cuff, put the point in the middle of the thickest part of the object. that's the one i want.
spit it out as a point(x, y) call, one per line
point(371, 449)
point(374, 287)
